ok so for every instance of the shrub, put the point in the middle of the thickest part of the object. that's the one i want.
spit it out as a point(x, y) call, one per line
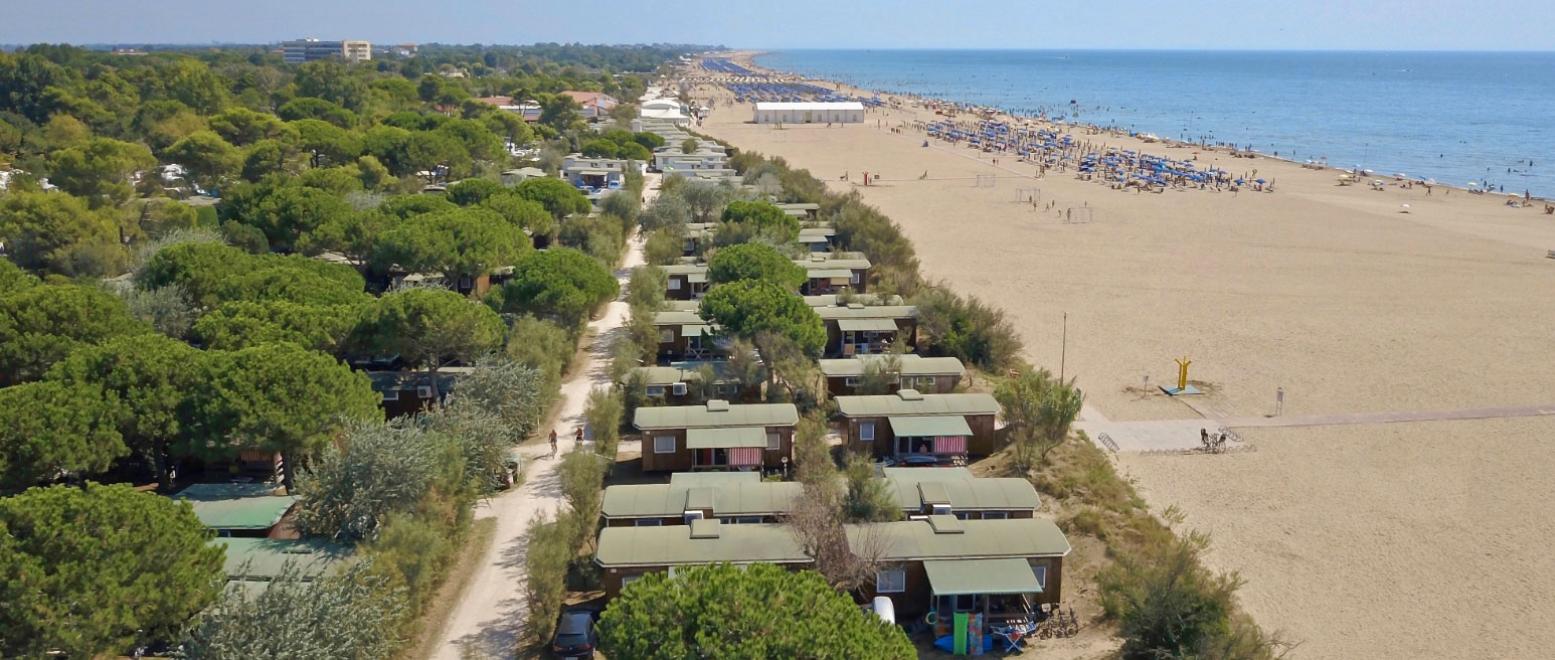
point(968, 329)
point(548, 553)
point(351, 615)
point(663, 246)
point(603, 414)
point(351, 492)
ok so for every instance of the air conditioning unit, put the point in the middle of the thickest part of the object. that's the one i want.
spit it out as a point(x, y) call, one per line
point(679, 389)
point(693, 515)
point(941, 509)
point(424, 391)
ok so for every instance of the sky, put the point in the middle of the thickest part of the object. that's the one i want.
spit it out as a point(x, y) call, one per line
point(775, 24)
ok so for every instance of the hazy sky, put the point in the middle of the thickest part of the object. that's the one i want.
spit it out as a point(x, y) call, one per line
point(1244, 24)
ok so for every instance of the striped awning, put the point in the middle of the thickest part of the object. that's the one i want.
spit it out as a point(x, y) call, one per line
point(950, 445)
point(745, 456)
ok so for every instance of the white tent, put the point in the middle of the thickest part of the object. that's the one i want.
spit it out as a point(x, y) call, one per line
point(809, 112)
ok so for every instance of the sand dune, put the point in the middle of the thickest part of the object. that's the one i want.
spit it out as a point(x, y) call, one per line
point(1418, 540)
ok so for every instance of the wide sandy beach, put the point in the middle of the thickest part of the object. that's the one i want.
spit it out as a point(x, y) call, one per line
point(1406, 540)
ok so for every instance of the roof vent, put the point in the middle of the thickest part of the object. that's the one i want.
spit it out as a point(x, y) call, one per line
point(708, 529)
point(906, 395)
point(717, 405)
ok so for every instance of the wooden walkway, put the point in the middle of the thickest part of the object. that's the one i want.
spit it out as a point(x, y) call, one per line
point(1176, 435)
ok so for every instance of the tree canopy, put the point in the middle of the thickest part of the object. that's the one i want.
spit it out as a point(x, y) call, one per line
point(49, 430)
point(40, 325)
point(465, 242)
point(93, 570)
point(756, 611)
point(429, 328)
point(560, 283)
point(754, 261)
point(277, 397)
point(146, 380)
point(748, 308)
point(762, 219)
point(558, 196)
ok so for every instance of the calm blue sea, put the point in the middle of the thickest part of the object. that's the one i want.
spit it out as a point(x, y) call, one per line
point(1454, 117)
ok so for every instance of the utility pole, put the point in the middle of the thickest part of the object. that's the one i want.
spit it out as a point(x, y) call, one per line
point(1063, 350)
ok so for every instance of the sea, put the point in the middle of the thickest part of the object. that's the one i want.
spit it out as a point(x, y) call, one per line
point(1455, 117)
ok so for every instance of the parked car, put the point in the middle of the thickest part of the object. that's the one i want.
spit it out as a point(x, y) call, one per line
point(575, 635)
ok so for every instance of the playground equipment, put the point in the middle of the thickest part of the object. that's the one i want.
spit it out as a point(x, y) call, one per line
point(1183, 388)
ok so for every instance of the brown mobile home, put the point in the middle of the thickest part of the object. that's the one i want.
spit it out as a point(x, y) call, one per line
point(834, 272)
point(716, 436)
point(683, 335)
point(954, 491)
point(410, 392)
point(936, 375)
point(626, 553)
point(1003, 570)
point(681, 383)
point(913, 427)
point(857, 329)
point(685, 281)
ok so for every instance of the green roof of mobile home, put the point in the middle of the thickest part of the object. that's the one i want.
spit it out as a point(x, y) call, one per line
point(961, 577)
point(914, 487)
point(911, 402)
point(716, 414)
point(966, 539)
point(867, 312)
point(678, 317)
point(725, 499)
point(685, 269)
point(262, 559)
point(707, 543)
point(907, 365)
point(237, 506)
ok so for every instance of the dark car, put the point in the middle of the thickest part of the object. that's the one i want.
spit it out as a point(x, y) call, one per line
point(575, 635)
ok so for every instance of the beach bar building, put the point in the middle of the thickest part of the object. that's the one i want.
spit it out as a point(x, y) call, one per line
point(916, 428)
point(992, 571)
point(717, 435)
point(809, 112)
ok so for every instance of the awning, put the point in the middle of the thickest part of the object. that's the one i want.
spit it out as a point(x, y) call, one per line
point(961, 577)
point(695, 330)
point(866, 325)
point(929, 427)
point(830, 273)
point(696, 278)
point(742, 436)
point(745, 456)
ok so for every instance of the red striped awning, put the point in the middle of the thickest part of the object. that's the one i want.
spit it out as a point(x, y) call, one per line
point(745, 456)
point(950, 445)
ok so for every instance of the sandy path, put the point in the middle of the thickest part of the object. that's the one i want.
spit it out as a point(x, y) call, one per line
point(487, 622)
point(1407, 539)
